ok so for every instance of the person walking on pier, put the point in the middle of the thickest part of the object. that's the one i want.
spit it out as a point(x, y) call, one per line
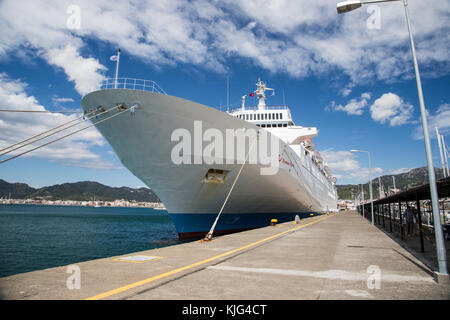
point(409, 218)
point(416, 220)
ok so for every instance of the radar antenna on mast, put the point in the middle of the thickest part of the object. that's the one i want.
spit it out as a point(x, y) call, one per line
point(261, 88)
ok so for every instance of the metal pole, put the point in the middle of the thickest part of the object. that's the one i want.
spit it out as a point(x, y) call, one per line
point(419, 217)
point(117, 69)
point(390, 218)
point(400, 217)
point(440, 246)
point(362, 190)
point(445, 154)
point(228, 93)
point(440, 151)
point(370, 186)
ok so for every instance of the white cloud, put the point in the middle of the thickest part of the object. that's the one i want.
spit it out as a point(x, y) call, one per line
point(347, 89)
point(83, 71)
point(345, 166)
point(74, 150)
point(298, 38)
point(440, 119)
point(38, 28)
point(354, 106)
point(57, 99)
point(391, 108)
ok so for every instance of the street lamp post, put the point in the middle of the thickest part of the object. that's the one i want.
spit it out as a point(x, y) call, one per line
point(362, 194)
point(346, 6)
point(370, 183)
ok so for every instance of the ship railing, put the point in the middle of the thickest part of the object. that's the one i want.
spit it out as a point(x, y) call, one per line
point(132, 84)
point(254, 108)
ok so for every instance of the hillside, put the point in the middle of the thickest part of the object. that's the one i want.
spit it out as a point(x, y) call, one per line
point(80, 191)
point(87, 190)
point(403, 181)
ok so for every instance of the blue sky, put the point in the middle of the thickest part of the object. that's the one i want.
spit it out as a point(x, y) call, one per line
point(339, 73)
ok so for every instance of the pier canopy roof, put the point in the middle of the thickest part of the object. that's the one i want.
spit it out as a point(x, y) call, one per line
point(421, 193)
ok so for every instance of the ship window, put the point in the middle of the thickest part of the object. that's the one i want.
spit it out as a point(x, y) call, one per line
point(280, 125)
point(281, 116)
point(285, 125)
point(270, 116)
point(246, 117)
point(276, 116)
point(265, 116)
point(259, 116)
point(263, 125)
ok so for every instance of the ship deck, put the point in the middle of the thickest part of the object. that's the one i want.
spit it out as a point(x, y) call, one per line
point(322, 257)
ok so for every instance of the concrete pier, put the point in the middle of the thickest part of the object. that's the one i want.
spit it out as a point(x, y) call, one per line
point(340, 256)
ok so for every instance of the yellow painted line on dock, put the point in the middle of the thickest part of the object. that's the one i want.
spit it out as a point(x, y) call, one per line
point(196, 264)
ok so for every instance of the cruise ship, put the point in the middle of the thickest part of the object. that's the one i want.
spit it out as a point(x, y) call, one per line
point(173, 146)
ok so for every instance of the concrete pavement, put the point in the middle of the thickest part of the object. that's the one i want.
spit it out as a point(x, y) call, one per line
point(340, 256)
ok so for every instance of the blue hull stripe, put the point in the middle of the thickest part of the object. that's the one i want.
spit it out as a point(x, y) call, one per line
point(199, 222)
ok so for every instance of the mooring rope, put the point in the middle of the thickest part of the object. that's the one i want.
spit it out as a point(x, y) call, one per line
point(209, 235)
point(40, 111)
point(65, 136)
point(37, 135)
point(51, 134)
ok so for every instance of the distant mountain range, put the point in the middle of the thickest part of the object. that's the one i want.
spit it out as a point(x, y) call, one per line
point(78, 191)
point(88, 190)
point(403, 181)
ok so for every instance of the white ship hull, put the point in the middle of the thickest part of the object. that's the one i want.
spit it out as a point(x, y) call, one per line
point(143, 144)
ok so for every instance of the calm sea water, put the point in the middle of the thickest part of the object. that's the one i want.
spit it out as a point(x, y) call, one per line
point(34, 237)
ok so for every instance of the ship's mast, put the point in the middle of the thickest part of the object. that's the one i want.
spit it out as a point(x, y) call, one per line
point(261, 88)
